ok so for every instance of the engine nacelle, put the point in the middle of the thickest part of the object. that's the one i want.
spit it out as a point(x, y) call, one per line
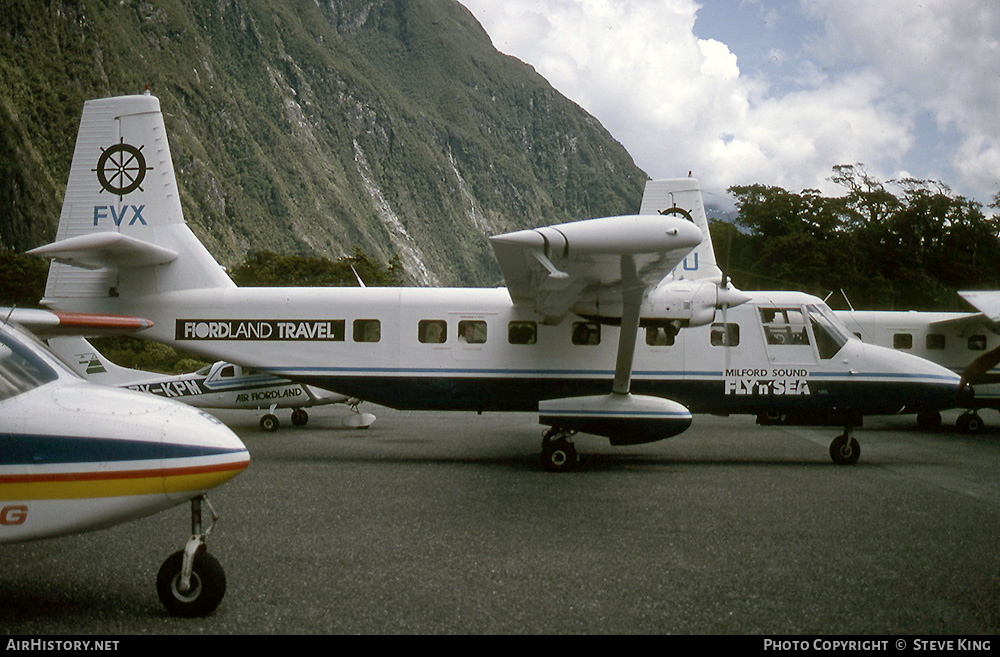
point(675, 304)
point(623, 419)
point(692, 303)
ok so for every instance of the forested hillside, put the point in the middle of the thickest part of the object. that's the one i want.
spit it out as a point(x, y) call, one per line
point(393, 131)
point(310, 128)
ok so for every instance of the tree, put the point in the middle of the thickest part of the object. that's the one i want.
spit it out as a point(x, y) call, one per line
point(913, 250)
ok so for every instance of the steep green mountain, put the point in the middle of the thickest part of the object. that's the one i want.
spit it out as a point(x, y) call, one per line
point(310, 127)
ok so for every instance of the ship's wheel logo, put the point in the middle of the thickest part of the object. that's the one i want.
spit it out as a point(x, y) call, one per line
point(121, 169)
point(679, 211)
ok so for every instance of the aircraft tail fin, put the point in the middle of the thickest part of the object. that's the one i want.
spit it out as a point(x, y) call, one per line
point(682, 196)
point(121, 231)
point(91, 364)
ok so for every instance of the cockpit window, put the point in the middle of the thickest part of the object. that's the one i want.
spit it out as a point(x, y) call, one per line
point(21, 369)
point(830, 332)
point(784, 326)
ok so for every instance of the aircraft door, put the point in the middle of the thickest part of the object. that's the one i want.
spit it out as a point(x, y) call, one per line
point(787, 337)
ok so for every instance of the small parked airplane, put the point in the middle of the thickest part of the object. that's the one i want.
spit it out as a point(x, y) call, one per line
point(76, 457)
point(220, 385)
point(965, 343)
point(561, 339)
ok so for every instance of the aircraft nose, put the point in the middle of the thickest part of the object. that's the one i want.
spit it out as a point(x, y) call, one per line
point(929, 385)
point(199, 453)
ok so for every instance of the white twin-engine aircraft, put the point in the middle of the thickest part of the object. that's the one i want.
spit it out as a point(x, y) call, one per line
point(587, 332)
point(76, 457)
point(966, 343)
point(219, 385)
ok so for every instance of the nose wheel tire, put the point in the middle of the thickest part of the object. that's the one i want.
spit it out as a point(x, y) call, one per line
point(845, 450)
point(970, 422)
point(205, 592)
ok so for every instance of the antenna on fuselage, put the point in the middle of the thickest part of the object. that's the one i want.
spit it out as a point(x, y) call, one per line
point(357, 276)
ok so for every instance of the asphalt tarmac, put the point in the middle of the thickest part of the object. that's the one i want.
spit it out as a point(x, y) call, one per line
point(445, 523)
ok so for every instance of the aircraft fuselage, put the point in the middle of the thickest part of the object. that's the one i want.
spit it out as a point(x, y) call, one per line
point(472, 349)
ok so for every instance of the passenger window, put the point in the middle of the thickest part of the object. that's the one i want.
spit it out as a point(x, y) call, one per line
point(935, 341)
point(657, 336)
point(472, 332)
point(784, 326)
point(902, 341)
point(522, 332)
point(725, 335)
point(977, 343)
point(367, 330)
point(586, 333)
point(432, 331)
point(227, 372)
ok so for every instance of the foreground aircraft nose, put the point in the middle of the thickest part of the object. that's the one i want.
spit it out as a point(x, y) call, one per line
point(199, 453)
point(121, 455)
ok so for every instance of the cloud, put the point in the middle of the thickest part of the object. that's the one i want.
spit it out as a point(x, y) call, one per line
point(828, 83)
point(937, 56)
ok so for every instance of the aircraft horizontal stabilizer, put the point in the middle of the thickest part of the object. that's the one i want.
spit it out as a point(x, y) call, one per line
point(51, 323)
point(105, 250)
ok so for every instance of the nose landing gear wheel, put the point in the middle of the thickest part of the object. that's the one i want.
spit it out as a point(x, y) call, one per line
point(845, 450)
point(205, 592)
point(191, 582)
point(970, 422)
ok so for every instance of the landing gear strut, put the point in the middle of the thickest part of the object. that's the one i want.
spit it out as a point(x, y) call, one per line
point(558, 452)
point(191, 582)
point(845, 450)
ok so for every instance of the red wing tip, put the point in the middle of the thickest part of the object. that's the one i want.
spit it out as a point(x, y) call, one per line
point(90, 320)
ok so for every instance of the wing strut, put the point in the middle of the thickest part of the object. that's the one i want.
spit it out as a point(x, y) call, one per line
point(632, 293)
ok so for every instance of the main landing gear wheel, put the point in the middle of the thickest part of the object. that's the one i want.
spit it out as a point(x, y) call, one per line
point(191, 582)
point(970, 422)
point(269, 422)
point(299, 417)
point(845, 450)
point(558, 452)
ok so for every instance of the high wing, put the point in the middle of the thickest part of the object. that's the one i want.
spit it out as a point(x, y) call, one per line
point(555, 268)
point(985, 301)
point(610, 265)
point(965, 322)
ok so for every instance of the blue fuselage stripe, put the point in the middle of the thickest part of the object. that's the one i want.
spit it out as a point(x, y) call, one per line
point(27, 449)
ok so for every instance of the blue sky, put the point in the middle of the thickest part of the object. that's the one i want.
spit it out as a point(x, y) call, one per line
point(776, 91)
